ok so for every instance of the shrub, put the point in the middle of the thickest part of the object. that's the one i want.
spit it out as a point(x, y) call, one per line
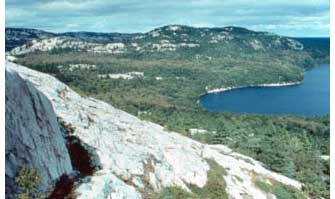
point(29, 182)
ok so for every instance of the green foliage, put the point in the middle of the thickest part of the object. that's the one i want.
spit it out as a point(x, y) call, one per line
point(175, 193)
point(267, 188)
point(29, 182)
point(317, 47)
point(280, 191)
point(215, 187)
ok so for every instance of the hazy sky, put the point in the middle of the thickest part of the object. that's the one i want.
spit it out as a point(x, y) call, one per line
point(287, 17)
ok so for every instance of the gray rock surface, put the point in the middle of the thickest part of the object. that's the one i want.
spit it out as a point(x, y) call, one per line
point(33, 136)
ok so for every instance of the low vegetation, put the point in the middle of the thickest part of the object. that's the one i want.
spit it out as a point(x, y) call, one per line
point(279, 190)
point(175, 193)
point(215, 187)
point(29, 184)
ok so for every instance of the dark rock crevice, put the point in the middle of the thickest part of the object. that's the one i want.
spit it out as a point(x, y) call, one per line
point(83, 156)
point(83, 159)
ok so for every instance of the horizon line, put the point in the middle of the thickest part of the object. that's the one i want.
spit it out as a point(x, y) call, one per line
point(161, 26)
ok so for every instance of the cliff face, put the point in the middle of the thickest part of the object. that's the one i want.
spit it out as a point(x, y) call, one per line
point(139, 158)
point(33, 136)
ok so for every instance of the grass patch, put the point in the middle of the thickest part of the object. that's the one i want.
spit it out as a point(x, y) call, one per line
point(216, 185)
point(267, 188)
point(175, 193)
point(280, 190)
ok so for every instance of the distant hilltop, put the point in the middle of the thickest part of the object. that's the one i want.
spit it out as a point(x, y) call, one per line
point(166, 38)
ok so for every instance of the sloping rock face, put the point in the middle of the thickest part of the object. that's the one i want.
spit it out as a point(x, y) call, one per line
point(137, 155)
point(33, 136)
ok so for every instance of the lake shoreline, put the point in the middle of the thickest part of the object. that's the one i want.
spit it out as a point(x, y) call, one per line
point(224, 89)
point(310, 97)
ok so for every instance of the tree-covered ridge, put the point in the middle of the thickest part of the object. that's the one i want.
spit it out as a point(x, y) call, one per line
point(171, 81)
point(176, 41)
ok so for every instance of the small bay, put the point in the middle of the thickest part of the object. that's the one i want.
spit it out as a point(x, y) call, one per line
point(311, 98)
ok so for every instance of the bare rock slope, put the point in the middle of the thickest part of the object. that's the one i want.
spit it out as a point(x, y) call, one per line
point(33, 136)
point(137, 156)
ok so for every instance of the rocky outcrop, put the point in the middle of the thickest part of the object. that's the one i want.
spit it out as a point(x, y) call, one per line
point(33, 136)
point(18, 36)
point(137, 157)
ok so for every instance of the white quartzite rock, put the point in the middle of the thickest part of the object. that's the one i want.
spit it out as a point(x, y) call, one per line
point(131, 150)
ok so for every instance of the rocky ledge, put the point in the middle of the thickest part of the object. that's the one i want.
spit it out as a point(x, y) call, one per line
point(139, 159)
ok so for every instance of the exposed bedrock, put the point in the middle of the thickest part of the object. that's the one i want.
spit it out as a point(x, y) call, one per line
point(33, 136)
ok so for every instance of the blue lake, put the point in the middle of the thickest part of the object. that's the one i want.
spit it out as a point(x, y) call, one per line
point(309, 99)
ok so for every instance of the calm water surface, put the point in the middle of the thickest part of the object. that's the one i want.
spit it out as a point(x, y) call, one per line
point(309, 99)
